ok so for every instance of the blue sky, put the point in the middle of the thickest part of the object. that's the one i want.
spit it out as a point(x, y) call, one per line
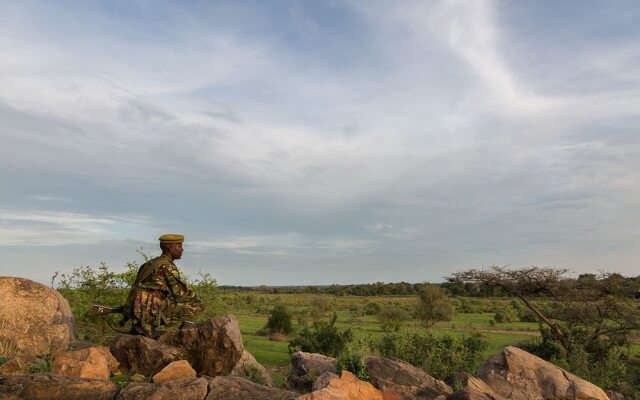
point(318, 142)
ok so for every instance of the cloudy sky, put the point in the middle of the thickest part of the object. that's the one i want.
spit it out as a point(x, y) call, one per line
point(317, 142)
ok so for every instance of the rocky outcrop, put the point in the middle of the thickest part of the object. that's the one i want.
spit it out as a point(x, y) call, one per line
point(248, 367)
point(347, 387)
point(195, 389)
point(143, 355)
point(323, 380)
point(55, 387)
point(473, 388)
point(404, 379)
point(91, 362)
point(306, 368)
point(236, 388)
point(212, 347)
point(515, 374)
point(176, 371)
point(34, 319)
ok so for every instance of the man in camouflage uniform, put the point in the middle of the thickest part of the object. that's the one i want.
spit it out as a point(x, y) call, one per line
point(159, 296)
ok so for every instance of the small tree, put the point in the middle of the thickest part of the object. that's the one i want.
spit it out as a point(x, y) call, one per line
point(434, 305)
point(322, 337)
point(392, 319)
point(279, 320)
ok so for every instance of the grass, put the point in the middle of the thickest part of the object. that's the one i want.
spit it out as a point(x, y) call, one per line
point(274, 355)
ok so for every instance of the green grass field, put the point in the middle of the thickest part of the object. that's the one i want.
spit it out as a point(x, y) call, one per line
point(275, 356)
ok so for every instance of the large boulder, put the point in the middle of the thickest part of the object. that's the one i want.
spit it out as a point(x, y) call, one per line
point(34, 319)
point(195, 389)
point(90, 362)
point(472, 388)
point(176, 371)
point(306, 368)
point(515, 374)
point(212, 347)
point(248, 367)
point(404, 379)
point(236, 388)
point(55, 387)
point(140, 354)
point(347, 387)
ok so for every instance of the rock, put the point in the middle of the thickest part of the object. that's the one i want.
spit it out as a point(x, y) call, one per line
point(474, 388)
point(248, 367)
point(614, 395)
point(306, 368)
point(91, 362)
point(347, 387)
point(34, 319)
point(142, 354)
point(403, 378)
point(177, 370)
point(515, 374)
point(236, 388)
point(212, 347)
point(195, 389)
point(323, 380)
point(55, 387)
point(17, 365)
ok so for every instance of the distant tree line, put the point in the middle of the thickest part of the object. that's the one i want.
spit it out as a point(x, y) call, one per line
point(455, 288)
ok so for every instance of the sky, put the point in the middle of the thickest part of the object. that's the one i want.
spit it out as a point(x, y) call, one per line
point(318, 142)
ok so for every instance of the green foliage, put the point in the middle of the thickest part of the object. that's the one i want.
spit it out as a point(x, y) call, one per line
point(279, 320)
point(439, 355)
point(392, 319)
point(319, 306)
point(87, 285)
point(352, 359)
point(604, 362)
point(43, 366)
point(372, 309)
point(322, 337)
point(468, 306)
point(254, 375)
point(434, 305)
point(505, 315)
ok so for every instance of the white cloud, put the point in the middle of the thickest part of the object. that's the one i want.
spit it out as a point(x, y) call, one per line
point(48, 228)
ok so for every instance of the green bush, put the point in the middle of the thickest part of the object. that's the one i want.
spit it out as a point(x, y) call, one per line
point(392, 319)
point(279, 320)
point(438, 355)
point(322, 337)
point(372, 309)
point(467, 306)
point(352, 358)
point(605, 362)
point(505, 315)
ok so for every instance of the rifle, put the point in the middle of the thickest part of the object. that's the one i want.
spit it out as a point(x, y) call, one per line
point(99, 310)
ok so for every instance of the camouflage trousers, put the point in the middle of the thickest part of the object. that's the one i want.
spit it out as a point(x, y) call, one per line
point(151, 309)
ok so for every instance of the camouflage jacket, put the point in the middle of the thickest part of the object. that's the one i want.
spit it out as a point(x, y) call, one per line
point(159, 296)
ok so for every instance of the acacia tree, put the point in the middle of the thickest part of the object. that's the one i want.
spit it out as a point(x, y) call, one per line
point(596, 305)
point(434, 305)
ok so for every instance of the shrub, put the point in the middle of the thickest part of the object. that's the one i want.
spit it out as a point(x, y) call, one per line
point(526, 315)
point(319, 306)
point(392, 319)
point(352, 358)
point(322, 337)
point(467, 306)
point(372, 309)
point(437, 355)
point(505, 315)
point(279, 320)
point(434, 305)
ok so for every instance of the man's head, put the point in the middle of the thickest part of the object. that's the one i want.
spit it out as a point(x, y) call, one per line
point(171, 245)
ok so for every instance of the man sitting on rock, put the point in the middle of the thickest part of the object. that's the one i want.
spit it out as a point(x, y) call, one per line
point(159, 296)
